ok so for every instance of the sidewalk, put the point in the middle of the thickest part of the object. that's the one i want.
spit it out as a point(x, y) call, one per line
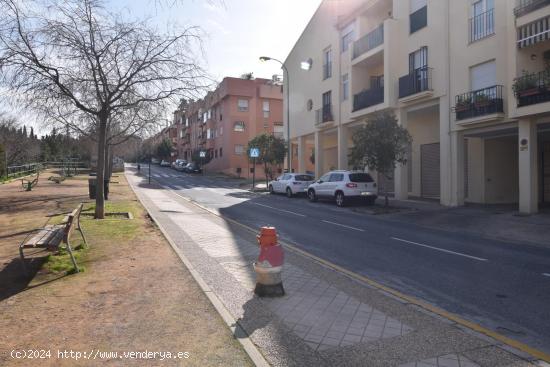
point(326, 317)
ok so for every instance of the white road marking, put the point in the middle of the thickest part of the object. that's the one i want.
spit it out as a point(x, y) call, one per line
point(546, 274)
point(343, 225)
point(440, 249)
point(155, 175)
point(165, 175)
point(281, 210)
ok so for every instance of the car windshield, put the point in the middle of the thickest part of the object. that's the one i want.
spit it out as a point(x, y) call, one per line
point(303, 178)
point(360, 177)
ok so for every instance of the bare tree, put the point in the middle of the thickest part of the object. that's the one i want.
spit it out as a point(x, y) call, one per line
point(74, 61)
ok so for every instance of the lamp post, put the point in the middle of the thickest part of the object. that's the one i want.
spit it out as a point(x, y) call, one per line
point(287, 78)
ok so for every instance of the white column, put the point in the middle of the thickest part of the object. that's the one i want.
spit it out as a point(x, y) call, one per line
point(457, 169)
point(301, 154)
point(401, 177)
point(447, 166)
point(342, 147)
point(528, 166)
point(318, 154)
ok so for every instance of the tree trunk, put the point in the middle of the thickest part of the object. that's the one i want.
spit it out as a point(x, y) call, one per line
point(266, 178)
point(100, 194)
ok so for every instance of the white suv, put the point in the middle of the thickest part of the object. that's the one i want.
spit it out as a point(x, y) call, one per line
point(291, 184)
point(343, 186)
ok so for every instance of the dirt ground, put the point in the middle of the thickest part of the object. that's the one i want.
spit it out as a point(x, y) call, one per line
point(134, 295)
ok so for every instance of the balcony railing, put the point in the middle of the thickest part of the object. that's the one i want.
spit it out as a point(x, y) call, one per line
point(368, 98)
point(480, 102)
point(369, 41)
point(482, 25)
point(532, 88)
point(418, 19)
point(526, 6)
point(417, 81)
point(324, 114)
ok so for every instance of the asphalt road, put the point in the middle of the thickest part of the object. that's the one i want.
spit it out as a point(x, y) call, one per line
point(500, 285)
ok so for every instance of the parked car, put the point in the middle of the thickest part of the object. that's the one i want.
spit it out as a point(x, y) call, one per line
point(177, 163)
point(291, 184)
point(192, 168)
point(155, 161)
point(181, 165)
point(164, 163)
point(344, 186)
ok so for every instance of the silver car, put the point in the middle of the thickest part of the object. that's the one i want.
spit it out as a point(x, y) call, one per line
point(291, 184)
point(344, 186)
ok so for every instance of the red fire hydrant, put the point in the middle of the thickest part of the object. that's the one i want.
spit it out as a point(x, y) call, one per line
point(269, 265)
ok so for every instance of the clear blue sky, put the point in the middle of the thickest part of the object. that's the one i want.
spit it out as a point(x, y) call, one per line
point(237, 31)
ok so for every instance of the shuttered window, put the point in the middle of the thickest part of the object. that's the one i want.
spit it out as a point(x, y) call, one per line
point(483, 75)
point(535, 32)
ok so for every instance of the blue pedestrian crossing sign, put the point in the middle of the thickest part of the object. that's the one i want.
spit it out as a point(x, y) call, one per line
point(254, 152)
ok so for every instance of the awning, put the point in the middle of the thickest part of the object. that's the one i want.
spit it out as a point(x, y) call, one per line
point(532, 33)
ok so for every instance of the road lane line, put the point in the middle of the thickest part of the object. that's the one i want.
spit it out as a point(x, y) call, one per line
point(281, 210)
point(546, 274)
point(440, 249)
point(343, 225)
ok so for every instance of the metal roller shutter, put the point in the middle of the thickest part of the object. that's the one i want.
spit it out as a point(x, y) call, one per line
point(430, 168)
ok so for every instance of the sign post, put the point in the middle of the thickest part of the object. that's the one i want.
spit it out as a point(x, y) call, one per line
point(202, 154)
point(254, 153)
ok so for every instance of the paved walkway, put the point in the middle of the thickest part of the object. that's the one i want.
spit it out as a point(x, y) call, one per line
point(326, 318)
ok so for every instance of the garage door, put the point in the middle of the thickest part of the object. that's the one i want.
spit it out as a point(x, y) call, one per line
point(429, 167)
point(546, 172)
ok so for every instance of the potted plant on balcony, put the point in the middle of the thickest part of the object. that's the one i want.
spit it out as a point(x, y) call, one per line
point(481, 100)
point(463, 103)
point(526, 85)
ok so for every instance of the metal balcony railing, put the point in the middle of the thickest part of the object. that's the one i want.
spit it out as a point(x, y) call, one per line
point(324, 114)
point(369, 41)
point(419, 80)
point(482, 25)
point(526, 6)
point(480, 102)
point(368, 98)
point(532, 88)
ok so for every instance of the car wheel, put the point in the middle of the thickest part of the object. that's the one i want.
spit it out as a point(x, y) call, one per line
point(340, 199)
point(271, 191)
point(289, 192)
point(311, 196)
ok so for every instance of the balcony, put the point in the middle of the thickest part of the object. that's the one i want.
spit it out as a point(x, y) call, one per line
point(526, 6)
point(482, 25)
point(369, 41)
point(419, 80)
point(368, 98)
point(532, 88)
point(480, 102)
point(324, 115)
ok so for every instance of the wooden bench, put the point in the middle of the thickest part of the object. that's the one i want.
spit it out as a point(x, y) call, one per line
point(50, 237)
point(29, 184)
point(56, 179)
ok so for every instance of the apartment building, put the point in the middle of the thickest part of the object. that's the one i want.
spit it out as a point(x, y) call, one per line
point(225, 120)
point(469, 79)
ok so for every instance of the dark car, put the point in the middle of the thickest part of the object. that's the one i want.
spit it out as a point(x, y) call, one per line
point(192, 168)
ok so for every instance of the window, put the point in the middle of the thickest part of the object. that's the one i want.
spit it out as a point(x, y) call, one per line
point(208, 134)
point(336, 177)
point(278, 131)
point(327, 99)
point(216, 153)
point(377, 82)
point(324, 178)
point(243, 105)
point(303, 178)
point(348, 36)
point(265, 106)
point(327, 64)
point(221, 130)
point(239, 149)
point(239, 126)
point(482, 23)
point(221, 152)
point(418, 18)
point(345, 87)
point(418, 59)
point(360, 177)
point(483, 76)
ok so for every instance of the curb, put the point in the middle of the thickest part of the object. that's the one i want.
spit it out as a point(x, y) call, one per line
point(249, 347)
point(517, 348)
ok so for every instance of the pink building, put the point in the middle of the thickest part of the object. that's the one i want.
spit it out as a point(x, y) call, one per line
point(225, 121)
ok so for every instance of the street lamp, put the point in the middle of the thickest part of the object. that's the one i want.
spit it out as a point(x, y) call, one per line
point(287, 78)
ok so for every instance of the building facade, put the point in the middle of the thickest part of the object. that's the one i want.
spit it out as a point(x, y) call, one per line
point(225, 120)
point(469, 79)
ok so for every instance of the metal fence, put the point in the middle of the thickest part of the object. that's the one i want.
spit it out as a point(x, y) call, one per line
point(68, 168)
point(22, 170)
